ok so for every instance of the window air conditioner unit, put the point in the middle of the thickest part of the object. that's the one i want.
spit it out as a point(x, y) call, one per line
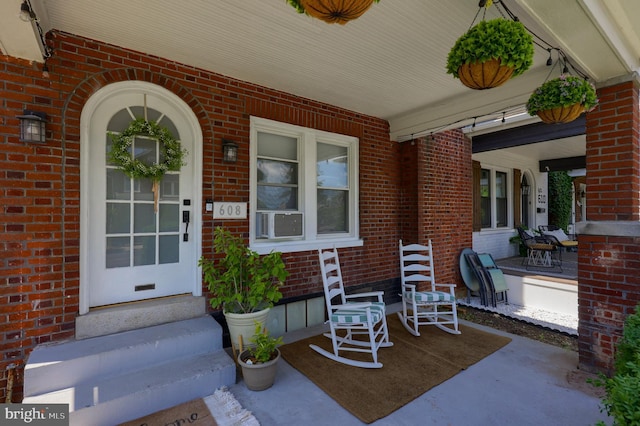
point(279, 224)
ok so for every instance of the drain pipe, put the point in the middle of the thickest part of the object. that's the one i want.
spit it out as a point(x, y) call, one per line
point(9, 389)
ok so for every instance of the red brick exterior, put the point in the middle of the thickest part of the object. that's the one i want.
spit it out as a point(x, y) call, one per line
point(608, 270)
point(40, 184)
point(439, 204)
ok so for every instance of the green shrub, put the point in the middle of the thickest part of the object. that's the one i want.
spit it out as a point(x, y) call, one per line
point(560, 197)
point(622, 401)
point(628, 347)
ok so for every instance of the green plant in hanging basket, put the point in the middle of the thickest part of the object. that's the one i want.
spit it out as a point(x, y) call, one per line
point(564, 98)
point(502, 42)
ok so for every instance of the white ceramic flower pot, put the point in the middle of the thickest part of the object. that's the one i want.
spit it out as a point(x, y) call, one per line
point(244, 325)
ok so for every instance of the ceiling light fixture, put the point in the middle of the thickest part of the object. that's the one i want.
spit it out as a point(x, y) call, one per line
point(26, 13)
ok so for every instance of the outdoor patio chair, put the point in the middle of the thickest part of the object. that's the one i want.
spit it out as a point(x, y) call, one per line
point(436, 305)
point(558, 237)
point(355, 326)
point(490, 276)
point(474, 285)
point(540, 251)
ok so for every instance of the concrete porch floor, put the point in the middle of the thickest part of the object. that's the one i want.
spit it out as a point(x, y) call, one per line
point(524, 383)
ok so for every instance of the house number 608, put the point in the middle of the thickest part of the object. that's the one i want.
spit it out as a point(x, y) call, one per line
point(223, 210)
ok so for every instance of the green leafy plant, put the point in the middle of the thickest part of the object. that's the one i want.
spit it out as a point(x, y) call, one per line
point(628, 347)
point(296, 5)
point(565, 90)
point(498, 38)
point(560, 198)
point(622, 400)
point(522, 250)
point(241, 280)
point(264, 345)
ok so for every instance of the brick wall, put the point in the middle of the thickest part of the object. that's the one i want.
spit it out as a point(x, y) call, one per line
point(613, 158)
point(438, 206)
point(40, 184)
point(609, 255)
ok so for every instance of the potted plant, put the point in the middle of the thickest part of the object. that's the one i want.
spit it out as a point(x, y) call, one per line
point(522, 250)
point(245, 284)
point(333, 11)
point(491, 53)
point(259, 362)
point(562, 99)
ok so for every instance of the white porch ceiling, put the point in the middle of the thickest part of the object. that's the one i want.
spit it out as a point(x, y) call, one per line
point(390, 63)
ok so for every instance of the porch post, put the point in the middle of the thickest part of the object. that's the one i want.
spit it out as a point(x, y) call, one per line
point(609, 250)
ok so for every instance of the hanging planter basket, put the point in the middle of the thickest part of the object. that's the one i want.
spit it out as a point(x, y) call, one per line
point(333, 11)
point(562, 99)
point(485, 75)
point(561, 114)
point(491, 53)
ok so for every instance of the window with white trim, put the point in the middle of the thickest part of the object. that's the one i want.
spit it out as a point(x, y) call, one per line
point(304, 188)
point(494, 198)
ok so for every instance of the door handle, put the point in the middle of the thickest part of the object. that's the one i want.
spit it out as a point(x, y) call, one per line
point(186, 215)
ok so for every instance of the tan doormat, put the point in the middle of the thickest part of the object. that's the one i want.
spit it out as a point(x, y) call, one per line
point(193, 412)
point(412, 366)
point(219, 409)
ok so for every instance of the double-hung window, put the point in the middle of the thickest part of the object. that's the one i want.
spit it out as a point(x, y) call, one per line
point(304, 188)
point(494, 198)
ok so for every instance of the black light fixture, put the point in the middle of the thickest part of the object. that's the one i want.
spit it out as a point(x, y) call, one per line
point(32, 126)
point(26, 13)
point(525, 188)
point(229, 151)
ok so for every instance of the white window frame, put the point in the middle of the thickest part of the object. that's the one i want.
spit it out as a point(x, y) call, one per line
point(307, 196)
point(509, 174)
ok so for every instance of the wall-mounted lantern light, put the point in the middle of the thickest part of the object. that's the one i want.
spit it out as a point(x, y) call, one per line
point(229, 151)
point(32, 126)
point(525, 188)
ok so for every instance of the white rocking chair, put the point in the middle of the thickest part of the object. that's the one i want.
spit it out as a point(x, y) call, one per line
point(366, 319)
point(437, 305)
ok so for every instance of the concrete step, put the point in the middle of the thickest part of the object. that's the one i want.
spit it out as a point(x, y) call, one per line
point(119, 377)
point(132, 316)
point(60, 366)
point(113, 400)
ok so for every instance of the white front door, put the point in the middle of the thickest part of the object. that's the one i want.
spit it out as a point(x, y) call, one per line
point(132, 252)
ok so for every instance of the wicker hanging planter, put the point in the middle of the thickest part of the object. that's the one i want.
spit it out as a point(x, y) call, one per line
point(491, 53)
point(561, 114)
point(485, 75)
point(334, 11)
point(562, 99)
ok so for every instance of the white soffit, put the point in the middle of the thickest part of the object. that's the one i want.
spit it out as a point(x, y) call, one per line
point(17, 38)
point(572, 24)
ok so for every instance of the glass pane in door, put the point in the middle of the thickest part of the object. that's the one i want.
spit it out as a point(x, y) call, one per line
point(118, 249)
point(146, 236)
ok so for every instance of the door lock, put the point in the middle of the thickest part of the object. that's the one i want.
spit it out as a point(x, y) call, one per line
point(186, 215)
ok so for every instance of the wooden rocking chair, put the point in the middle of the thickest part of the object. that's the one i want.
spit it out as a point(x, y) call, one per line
point(355, 326)
point(435, 306)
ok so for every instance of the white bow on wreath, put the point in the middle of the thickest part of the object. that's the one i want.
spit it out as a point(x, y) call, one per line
point(171, 153)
